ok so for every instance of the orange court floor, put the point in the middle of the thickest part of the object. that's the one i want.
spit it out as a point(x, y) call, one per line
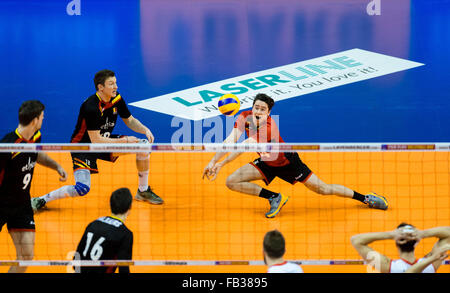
point(203, 220)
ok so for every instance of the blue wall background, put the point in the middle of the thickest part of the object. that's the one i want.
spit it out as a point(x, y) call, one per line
point(158, 47)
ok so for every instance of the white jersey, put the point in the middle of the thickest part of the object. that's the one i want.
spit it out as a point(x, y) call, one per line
point(401, 265)
point(285, 267)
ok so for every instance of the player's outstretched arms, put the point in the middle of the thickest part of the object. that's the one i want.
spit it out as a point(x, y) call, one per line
point(96, 137)
point(213, 167)
point(135, 125)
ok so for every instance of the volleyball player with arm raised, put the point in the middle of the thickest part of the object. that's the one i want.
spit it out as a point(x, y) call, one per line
point(406, 238)
point(437, 255)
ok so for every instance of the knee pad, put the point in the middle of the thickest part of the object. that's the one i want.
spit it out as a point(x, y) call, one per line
point(82, 189)
point(83, 182)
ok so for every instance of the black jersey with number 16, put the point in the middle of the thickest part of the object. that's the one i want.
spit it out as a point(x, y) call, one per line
point(106, 238)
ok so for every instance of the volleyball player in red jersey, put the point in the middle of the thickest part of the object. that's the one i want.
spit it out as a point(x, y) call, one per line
point(261, 128)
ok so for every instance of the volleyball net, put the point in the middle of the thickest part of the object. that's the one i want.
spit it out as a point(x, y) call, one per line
point(203, 223)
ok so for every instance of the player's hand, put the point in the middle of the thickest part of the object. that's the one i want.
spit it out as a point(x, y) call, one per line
point(215, 170)
point(62, 174)
point(132, 139)
point(212, 171)
point(402, 235)
point(208, 171)
point(150, 136)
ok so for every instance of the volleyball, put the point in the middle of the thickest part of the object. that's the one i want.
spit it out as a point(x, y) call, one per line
point(229, 104)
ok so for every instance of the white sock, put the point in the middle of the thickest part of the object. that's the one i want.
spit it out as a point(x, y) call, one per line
point(143, 180)
point(63, 192)
point(83, 176)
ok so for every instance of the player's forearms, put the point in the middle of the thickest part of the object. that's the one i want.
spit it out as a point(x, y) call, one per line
point(367, 238)
point(137, 126)
point(44, 160)
point(231, 157)
point(101, 139)
point(217, 157)
point(439, 232)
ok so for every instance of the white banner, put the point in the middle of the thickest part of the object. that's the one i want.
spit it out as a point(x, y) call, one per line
point(280, 83)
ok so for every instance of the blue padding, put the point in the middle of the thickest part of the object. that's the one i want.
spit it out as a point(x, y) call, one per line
point(227, 101)
point(82, 189)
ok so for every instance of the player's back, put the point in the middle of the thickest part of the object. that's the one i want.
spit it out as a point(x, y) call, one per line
point(88, 107)
point(401, 265)
point(106, 238)
point(285, 267)
point(16, 171)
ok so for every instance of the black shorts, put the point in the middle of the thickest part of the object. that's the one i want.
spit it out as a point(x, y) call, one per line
point(18, 218)
point(89, 160)
point(295, 171)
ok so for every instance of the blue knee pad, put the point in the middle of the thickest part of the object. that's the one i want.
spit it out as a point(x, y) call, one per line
point(82, 189)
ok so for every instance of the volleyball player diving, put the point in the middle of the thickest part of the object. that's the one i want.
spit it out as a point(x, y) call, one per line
point(261, 128)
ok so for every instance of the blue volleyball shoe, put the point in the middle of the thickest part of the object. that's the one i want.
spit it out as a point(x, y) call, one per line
point(276, 204)
point(376, 201)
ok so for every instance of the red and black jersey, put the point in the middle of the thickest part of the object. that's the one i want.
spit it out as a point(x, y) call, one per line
point(106, 238)
point(16, 171)
point(265, 133)
point(98, 115)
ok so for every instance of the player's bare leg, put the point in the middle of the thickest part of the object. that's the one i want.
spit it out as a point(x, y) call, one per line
point(240, 181)
point(144, 192)
point(318, 186)
point(81, 188)
point(24, 243)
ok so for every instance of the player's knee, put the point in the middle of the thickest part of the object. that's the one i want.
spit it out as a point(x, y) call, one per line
point(26, 254)
point(142, 156)
point(324, 189)
point(83, 182)
point(230, 183)
point(82, 189)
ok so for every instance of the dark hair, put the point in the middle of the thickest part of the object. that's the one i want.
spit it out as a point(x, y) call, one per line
point(403, 224)
point(266, 99)
point(120, 201)
point(101, 76)
point(274, 244)
point(30, 110)
point(407, 246)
